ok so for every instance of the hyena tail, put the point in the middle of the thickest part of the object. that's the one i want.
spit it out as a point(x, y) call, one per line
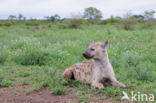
point(68, 73)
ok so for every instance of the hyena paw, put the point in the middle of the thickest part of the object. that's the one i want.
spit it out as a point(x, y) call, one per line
point(100, 86)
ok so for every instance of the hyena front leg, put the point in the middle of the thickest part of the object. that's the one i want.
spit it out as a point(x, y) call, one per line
point(114, 82)
point(97, 85)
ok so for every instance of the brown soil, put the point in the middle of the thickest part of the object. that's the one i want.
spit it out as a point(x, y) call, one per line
point(17, 94)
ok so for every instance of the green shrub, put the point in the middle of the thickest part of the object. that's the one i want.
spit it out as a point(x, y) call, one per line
point(111, 92)
point(148, 24)
point(5, 83)
point(28, 52)
point(32, 23)
point(63, 25)
point(31, 56)
point(85, 22)
point(8, 24)
point(128, 23)
point(74, 23)
point(111, 20)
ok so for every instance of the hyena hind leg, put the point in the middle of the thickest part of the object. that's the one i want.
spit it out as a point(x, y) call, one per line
point(117, 83)
point(68, 74)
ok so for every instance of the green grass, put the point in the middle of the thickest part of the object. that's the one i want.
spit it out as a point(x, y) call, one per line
point(38, 58)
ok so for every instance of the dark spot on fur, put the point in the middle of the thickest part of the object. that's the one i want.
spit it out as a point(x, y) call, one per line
point(79, 74)
point(104, 80)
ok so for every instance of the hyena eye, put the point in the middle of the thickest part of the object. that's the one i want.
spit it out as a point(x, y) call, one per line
point(92, 49)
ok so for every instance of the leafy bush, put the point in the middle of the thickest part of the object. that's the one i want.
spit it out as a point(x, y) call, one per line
point(31, 52)
point(74, 23)
point(85, 22)
point(5, 83)
point(128, 23)
point(63, 25)
point(7, 24)
point(32, 23)
point(31, 56)
point(27, 52)
point(111, 20)
point(148, 24)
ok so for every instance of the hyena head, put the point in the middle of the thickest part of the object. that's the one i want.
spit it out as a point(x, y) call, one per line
point(97, 50)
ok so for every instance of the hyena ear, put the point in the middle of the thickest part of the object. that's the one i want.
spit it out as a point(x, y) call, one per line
point(105, 44)
point(91, 42)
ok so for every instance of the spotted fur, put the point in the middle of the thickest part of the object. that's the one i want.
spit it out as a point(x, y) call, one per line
point(95, 72)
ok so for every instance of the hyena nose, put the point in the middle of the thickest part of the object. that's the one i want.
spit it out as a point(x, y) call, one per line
point(84, 54)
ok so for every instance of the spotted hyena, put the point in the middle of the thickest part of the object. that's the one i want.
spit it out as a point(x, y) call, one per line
point(96, 71)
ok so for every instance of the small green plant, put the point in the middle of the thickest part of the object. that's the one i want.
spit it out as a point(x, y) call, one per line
point(140, 73)
point(24, 74)
point(58, 90)
point(3, 56)
point(130, 59)
point(70, 102)
point(55, 82)
point(82, 99)
point(25, 91)
point(5, 83)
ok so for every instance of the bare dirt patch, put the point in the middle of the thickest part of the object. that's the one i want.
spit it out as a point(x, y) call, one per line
point(21, 94)
point(17, 95)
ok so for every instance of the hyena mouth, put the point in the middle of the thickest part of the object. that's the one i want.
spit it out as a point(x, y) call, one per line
point(89, 57)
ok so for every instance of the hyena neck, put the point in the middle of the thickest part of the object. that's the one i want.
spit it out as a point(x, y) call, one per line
point(102, 63)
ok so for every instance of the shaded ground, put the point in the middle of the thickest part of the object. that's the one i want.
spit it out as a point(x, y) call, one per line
point(19, 94)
